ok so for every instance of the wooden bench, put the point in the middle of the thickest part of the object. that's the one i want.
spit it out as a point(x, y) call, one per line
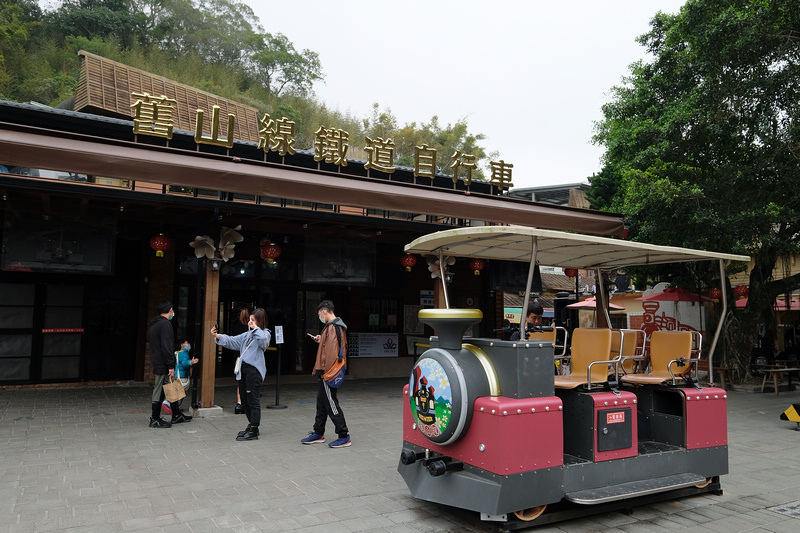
point(776, 372)
point(702, 364)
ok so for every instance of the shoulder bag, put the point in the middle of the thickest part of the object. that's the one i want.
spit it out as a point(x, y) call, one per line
point(335, 375)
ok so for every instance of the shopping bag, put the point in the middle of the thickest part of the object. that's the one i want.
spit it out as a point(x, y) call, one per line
point(174, 390)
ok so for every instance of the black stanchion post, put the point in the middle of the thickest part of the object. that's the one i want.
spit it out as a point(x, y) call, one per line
point(279, 342)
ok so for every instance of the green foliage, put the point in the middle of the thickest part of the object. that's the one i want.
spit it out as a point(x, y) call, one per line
point(446, 140)
point(217, 46)
point(274, 62)
point(99, 18)
point(702, 142)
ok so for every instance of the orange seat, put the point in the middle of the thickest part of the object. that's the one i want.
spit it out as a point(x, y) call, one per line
point(665, 348)
point(631, 349)
point(543, 335)
point(588, 346)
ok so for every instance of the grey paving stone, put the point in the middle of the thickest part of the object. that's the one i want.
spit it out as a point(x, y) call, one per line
point(83, 459)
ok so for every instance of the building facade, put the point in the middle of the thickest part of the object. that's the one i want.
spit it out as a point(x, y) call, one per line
point(98, 221)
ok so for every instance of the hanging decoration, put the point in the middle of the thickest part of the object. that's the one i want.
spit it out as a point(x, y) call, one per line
point(269, 250)
point(408, 261)
point(571, 272)
point(476, 265)
point(741, 292)
point(160, 243)
point(204, 246)
point(715, 294)
point(436, 270)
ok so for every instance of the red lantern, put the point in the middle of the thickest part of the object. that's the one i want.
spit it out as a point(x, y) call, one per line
point(160, 243)
point(715, 294)
point(741, 292)
point(476, 265)
point(571, 272)
point(408, 261)
point(269, 251)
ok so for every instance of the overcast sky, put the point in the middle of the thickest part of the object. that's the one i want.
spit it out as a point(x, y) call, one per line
point(531, 75)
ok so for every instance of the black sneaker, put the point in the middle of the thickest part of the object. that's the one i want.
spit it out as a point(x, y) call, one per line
point(159, 423)
point(241, 433)
point(180, 417)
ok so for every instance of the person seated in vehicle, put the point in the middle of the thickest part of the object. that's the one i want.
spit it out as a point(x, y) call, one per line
point(532, 319)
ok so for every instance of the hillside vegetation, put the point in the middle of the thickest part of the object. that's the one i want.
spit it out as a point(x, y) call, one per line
point(217, 46)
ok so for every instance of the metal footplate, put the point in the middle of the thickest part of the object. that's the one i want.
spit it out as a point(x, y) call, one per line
point(635, 488)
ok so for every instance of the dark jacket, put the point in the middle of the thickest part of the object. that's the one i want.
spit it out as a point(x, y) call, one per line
point(162, 345)
point(328, 349)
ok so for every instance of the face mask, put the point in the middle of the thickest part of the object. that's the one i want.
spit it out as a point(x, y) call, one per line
point(322, 320)
point(187, 347)
point(171, 316)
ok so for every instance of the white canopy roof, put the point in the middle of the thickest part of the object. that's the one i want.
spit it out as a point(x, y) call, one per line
point(555, 248)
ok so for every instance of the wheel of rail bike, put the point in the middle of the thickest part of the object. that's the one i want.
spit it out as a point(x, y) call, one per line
point(533, 513)
point(705, 484)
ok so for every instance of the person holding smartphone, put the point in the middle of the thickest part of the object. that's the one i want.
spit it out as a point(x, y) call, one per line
point(332, 343)
point(251, 345)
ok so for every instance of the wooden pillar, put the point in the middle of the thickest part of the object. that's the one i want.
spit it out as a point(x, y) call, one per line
point(209, 356)
point(601, 302)
point(438, 295)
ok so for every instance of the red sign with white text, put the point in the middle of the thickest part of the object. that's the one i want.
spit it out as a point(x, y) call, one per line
point(615, 418)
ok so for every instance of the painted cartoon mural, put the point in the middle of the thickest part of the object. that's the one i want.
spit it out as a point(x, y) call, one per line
point(431, 398)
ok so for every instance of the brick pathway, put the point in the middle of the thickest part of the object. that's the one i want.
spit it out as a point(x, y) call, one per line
point(84, 459)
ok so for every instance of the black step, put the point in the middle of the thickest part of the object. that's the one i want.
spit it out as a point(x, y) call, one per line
point(634, 489)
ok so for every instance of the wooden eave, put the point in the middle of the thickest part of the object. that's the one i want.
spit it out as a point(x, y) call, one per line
point(64, 145)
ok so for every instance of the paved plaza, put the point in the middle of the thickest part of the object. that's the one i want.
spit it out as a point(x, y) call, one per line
point(83, 459)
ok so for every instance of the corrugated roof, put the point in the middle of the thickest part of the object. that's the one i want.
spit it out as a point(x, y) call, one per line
point(105, 87)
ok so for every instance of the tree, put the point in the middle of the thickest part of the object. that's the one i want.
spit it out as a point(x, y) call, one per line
point(702, 142)
point(444, 139)
point(100, 18)
point(274, 61)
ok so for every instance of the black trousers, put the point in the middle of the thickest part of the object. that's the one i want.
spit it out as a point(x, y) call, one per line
point(328, 406)
point(250, 393)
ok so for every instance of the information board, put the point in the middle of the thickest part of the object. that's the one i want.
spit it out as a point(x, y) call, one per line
point(372, 345)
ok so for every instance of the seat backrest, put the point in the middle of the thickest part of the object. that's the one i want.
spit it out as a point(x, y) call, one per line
point(543, 335)
point(666, 346)
point(590, 345)
point(632, 345)
point(616, 343)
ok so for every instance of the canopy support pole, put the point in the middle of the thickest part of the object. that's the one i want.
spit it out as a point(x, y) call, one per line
point(604, 297)
point(442, 269)
point(524, 313)
point(720, 323)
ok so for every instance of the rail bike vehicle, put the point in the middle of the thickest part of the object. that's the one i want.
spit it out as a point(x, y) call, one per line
point(488, 427)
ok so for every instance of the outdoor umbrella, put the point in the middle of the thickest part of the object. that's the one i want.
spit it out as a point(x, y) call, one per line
point(591, 303)
point(779, 305)
point(676, 294)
